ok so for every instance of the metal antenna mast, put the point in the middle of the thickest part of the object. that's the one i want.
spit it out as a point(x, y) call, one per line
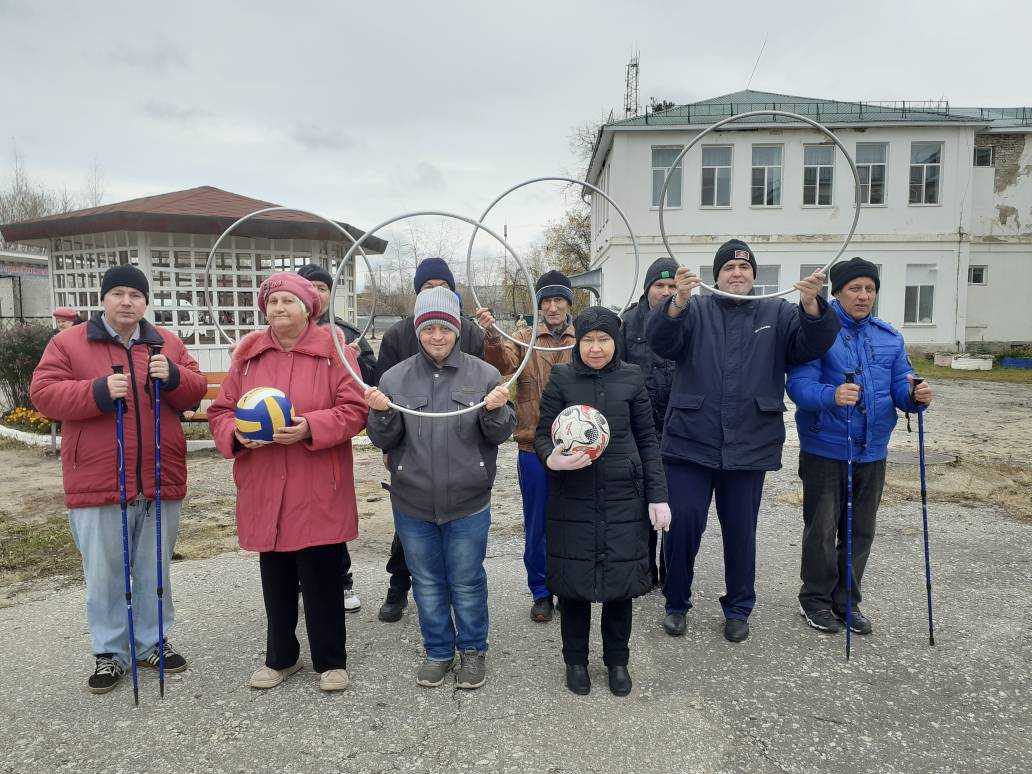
point(631, 107)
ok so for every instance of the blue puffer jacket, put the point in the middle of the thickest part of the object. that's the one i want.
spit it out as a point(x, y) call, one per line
point(873, 350)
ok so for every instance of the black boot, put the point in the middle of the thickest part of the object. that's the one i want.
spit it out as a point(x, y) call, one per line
point(577, 679)
point(619, 680)
point(393, 606)
point(736, 629)
point(676, 624)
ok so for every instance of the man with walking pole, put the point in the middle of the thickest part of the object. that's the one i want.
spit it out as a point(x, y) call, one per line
point(846, 410)
point(78, 383)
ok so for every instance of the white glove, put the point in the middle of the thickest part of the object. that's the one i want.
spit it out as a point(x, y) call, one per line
point(659, 515)
point(559, 461)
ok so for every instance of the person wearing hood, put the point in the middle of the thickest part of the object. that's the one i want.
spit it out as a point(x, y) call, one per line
point(555, 329)
point(296, 495)
point(442, 470)
point(399, 343)
point(874, 354)
point(724, 426)
point(599, 513)
point(658, 371)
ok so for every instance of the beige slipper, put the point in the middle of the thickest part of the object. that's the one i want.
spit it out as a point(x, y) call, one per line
point(267, 677)
point(334, 680)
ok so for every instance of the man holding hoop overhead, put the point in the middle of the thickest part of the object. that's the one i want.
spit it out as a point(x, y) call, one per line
point(724, 425)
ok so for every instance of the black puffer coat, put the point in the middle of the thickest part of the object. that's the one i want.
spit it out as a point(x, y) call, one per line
point(658, 371)
point(597, 528)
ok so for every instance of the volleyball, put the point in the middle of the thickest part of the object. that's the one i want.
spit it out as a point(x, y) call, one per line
point(581, 429)
point(261, 412)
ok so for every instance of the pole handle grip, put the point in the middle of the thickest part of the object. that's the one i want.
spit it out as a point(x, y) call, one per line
point(850, 377)
point(118, 369)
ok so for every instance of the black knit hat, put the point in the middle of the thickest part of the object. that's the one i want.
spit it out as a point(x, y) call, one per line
point(127, 276)
point(841, 273)
point(733, 250)
point(661, 269)
point(597, 318)
point(553, 284)
point(313, 272)
point(433, 269)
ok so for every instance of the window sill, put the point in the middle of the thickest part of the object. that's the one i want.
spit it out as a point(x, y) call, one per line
point(766, 206)
point(817, 206)
point(715, 207)
point(874, 206)
point(937, 204)
point(920, 325)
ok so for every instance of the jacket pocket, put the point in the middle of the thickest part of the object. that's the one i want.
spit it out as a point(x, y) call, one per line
point(775, 405)
point(469, 423)
point(416, 403)
point(689, 402)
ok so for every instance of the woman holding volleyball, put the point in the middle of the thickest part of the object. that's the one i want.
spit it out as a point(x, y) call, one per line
point(295, 488)
point(600, 503)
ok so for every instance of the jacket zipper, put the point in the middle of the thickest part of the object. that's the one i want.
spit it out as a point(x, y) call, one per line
point(139, 429)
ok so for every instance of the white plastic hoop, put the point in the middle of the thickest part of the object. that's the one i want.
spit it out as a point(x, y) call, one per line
point(211, 257)
point(358, 245)
point(797, 117)
point(558, 179)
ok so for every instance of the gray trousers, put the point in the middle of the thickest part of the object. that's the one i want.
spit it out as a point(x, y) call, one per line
point(823, 570)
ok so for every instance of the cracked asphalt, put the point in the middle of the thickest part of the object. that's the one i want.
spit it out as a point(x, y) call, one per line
point(783, 701)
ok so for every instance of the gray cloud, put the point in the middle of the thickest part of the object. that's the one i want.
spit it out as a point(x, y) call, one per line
point(159, 56)
point(173, 113)
point(315, 137)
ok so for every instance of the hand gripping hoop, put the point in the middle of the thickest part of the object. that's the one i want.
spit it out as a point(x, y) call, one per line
point(600, 192)
point(783, 114)
point(358, 246)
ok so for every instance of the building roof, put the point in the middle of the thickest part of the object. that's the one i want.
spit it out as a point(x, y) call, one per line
point(201, 210)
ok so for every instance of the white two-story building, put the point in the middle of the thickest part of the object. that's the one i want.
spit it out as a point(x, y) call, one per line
point(946, 204)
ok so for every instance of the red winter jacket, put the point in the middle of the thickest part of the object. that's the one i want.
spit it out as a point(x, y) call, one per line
point(70, 385)
point(302, 495)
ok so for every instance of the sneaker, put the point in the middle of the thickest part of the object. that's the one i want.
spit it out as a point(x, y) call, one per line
point(736, 629)
point(472, 671)
point(173, 661)
point(266, 677)
point(106, 674)
point(393, 607)
point(334, 680)
point(432, 673)
point(675, 624)
point(352, 604)
point(822, 620)
point(542, 610)
point(860, 624)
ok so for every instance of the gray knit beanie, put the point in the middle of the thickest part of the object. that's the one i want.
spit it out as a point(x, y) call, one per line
point(437, 305)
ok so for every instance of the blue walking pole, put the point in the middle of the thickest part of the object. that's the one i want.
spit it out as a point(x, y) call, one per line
point(849, 523)
point(156, 350)
point(120, 443)
point(924, 511)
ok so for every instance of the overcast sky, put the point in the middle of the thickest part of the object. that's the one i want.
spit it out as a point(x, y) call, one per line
point(361, 111)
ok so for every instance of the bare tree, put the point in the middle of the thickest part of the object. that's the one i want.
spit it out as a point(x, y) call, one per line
point(23, 198)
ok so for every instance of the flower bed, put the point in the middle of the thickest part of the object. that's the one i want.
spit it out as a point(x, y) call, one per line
point(27, 419)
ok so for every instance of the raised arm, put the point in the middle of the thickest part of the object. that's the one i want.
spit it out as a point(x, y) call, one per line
point(805, 388)
point(807, 336)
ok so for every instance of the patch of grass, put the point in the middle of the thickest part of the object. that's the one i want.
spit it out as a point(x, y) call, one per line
point(37, 550)
point(934, 373)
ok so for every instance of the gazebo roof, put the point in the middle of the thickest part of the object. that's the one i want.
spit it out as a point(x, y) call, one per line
point(201, 210)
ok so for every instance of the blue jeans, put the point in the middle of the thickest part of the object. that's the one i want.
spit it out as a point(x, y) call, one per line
point(534, 488)
point(448, 579)
point(98, 536)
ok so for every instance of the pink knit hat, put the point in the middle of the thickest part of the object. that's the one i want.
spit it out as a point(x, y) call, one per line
point(291, 283)
point(65, 313)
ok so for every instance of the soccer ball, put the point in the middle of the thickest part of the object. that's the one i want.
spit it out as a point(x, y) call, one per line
point(581, 429)
point(261, 412)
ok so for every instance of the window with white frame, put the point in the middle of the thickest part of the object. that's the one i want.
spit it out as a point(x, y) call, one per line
point(818, 175)
point(809, 268)
point(767, 278)
point(662, 159)
point(716, 175)
point(766, 175)
point(984, 157)
point(925, 172)
point(919, 301)
point(871, 161)
point(978, 275)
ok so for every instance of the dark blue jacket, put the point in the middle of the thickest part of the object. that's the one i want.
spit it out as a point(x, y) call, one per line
point(658, 371)
point(728, 397)
point(873, 350)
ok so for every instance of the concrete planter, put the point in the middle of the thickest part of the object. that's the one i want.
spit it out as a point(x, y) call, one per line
point(966, 363)
point(944, 359)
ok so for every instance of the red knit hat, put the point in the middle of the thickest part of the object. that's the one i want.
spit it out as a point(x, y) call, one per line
point(65, 313)
point(291, 283)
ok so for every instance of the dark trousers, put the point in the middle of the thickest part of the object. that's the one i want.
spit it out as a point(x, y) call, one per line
point(401, 578)
point(533, 479)
point(345, 569)
point(318, 570)
point(823, 570)
point(575, 620)
point(738, 494)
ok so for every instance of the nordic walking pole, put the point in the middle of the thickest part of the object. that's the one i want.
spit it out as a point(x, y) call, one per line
point(120, 443)
point(156, 350)
point(849, 522)
point(924, 508)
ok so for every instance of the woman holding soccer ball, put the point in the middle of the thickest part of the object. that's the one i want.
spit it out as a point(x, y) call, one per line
point(296, 493)
point(602, 496)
